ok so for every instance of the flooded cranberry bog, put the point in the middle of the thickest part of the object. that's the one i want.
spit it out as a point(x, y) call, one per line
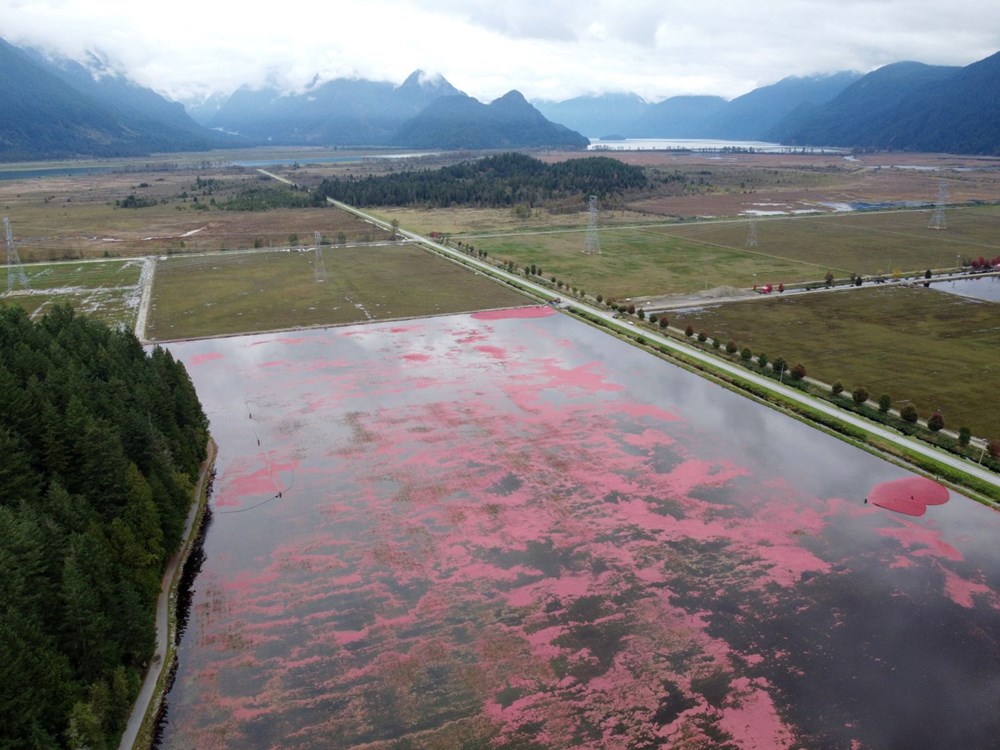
point(509, 530)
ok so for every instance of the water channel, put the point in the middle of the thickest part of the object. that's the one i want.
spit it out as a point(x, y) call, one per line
point(985, 288)
point(512, 530)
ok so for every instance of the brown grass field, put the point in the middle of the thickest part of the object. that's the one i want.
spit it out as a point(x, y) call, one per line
point(75, 217)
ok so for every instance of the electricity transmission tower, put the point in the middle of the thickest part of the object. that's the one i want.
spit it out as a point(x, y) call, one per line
point(937, 218)
point(751, 230)
point(592, 244)
point(13, 261)
point(319, 265)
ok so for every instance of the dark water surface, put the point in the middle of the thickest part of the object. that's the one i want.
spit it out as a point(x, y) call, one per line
point(986, 288)
point(520, 532)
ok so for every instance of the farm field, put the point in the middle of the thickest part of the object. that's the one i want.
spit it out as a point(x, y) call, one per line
point(937, 350)
point(221, 294)
point(638, 261)
point(673, 258)
point(107, 290)
point(510, 530)
point(863, 242)
point(173, 211)
point(467, 222)
point(645, 252)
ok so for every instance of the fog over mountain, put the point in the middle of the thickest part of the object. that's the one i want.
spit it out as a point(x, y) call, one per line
point(553, 51)
point(58, 107)
point(350, 112)
point(56, 110)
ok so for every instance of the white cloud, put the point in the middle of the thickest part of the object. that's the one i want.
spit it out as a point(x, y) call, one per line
point(551, 49)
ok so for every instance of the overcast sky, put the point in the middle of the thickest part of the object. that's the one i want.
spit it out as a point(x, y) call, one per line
point(547, 49)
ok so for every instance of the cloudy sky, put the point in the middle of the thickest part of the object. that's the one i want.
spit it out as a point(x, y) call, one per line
point(547, 49)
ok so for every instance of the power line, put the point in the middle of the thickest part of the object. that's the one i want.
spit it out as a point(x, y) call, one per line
point(751, 229)
point(937, 218)
point(592, 243)
point(13, 261)
point(320, 266)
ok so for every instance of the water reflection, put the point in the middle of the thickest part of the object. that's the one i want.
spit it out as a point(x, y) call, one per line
point(985, 288)
point(459, 531)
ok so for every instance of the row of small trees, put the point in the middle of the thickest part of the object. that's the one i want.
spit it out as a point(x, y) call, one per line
point(535, 272)
point(796, 375)
point(777, 368)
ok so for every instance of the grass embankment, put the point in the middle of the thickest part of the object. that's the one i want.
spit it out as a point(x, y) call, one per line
point(252, 292)
point(938, 351)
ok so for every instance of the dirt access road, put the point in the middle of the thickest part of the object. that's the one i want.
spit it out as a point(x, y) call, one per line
point(164, 611)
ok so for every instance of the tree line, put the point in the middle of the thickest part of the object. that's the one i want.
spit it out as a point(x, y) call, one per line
point(101, 445)
point(503, 180)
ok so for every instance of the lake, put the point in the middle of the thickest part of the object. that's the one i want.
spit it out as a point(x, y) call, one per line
point(704, 144)
point(512, 530)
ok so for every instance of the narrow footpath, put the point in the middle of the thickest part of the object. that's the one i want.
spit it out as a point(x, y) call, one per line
point(164, 627)
point(146, 297)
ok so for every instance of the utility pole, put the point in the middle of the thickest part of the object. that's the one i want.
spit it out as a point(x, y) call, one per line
point(320, 267)
point(751, 229)
point(937, 218)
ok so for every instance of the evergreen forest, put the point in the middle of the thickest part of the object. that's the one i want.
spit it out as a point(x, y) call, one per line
point(101, 444)
point(508, 179)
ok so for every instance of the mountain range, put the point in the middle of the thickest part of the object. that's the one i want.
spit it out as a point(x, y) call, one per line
point(910, 106)
point(905, 106)
point(345, 112)
point(753, 116)
point(58, 108)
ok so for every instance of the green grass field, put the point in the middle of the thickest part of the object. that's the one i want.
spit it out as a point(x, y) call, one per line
point(639, 261)
point(669, 258)
point(248, 292)
point(861, 242)
point(939, 351)
point(83, 275)
point(106, 290)
point(114, 307)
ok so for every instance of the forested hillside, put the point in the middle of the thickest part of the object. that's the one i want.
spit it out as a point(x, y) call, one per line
point(45, 116)
point(100, 445)
point(504, 180)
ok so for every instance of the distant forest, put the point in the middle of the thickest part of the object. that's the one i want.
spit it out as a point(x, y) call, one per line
point(509, 179)
point(101, 444)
